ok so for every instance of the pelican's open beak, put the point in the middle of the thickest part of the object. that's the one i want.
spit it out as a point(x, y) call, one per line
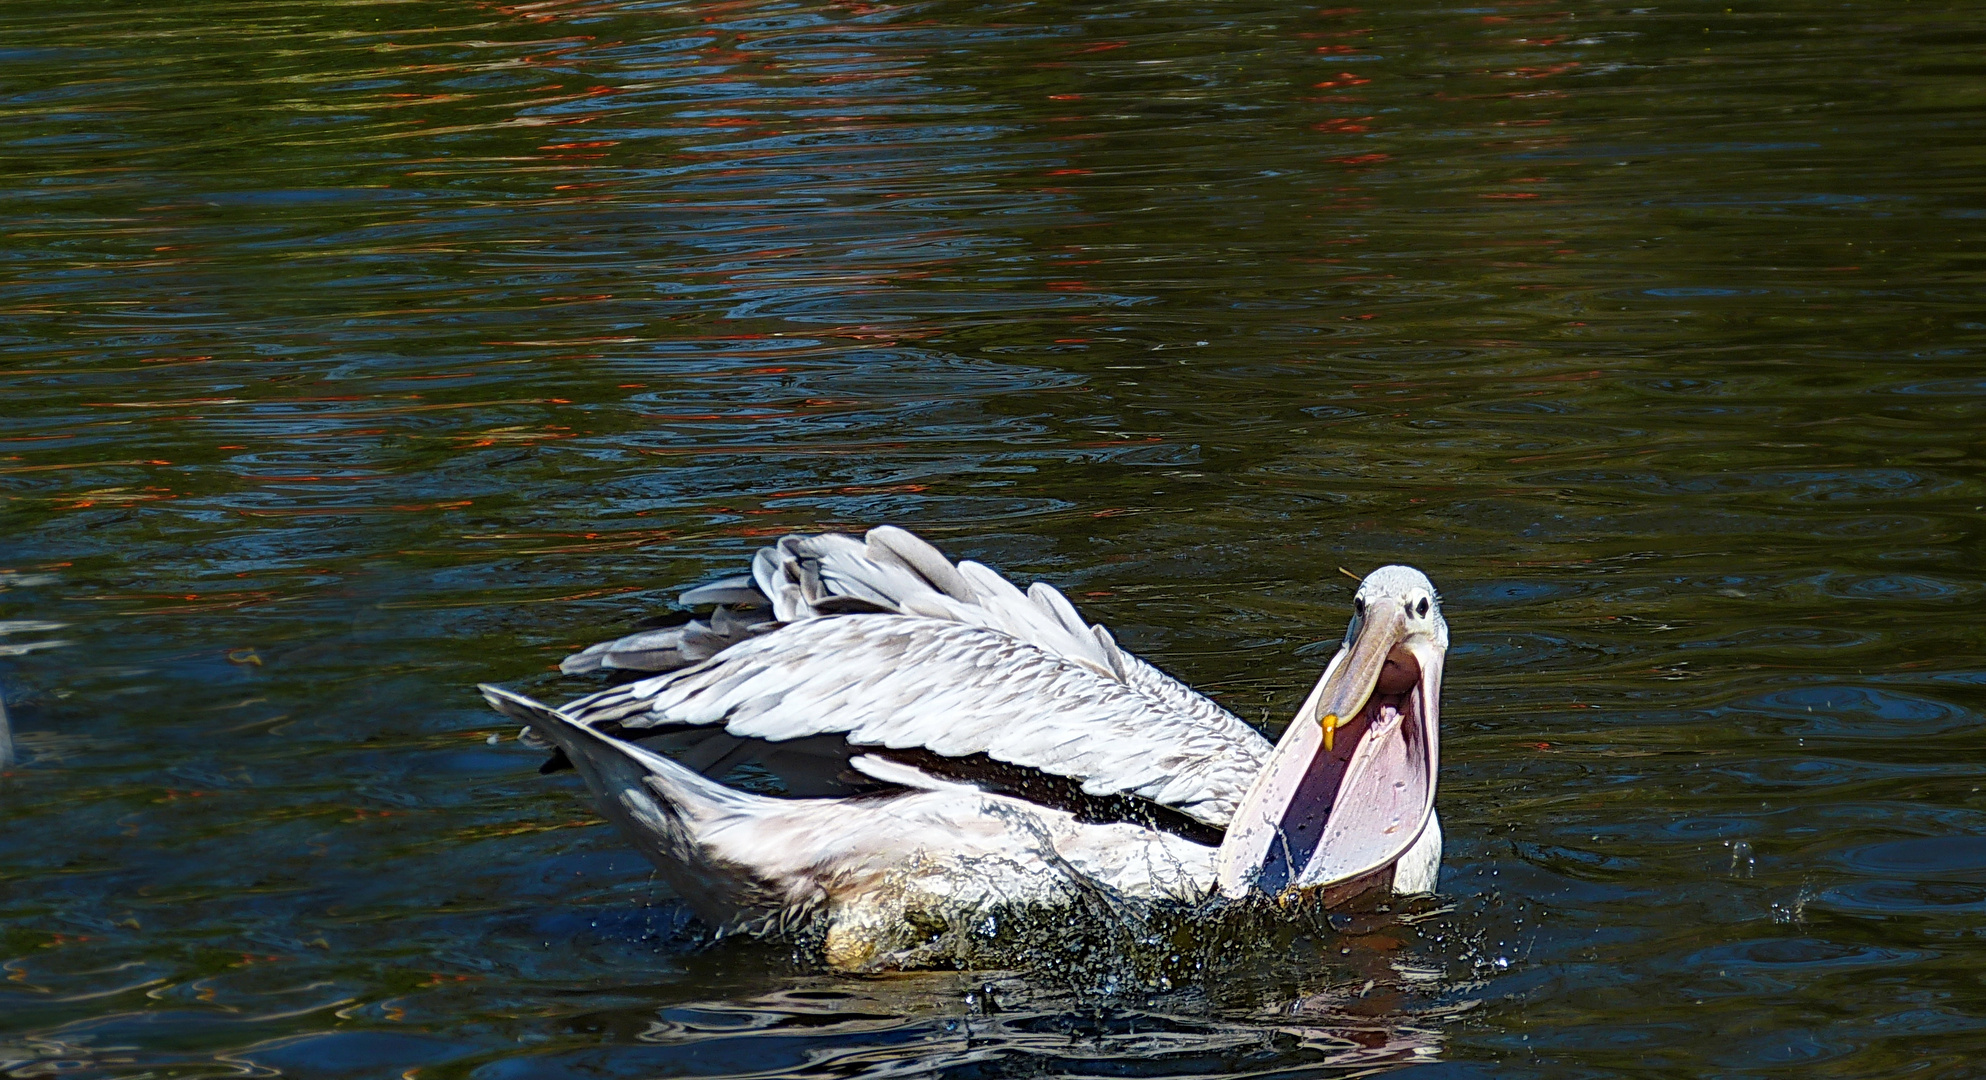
point(1351, 785)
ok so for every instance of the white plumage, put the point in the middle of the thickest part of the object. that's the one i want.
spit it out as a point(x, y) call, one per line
point(949, 743)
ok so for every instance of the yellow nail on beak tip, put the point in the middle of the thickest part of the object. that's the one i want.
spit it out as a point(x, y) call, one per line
point(1330, 729)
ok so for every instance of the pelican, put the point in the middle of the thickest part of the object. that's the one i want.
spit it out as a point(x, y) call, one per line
point(944, 745)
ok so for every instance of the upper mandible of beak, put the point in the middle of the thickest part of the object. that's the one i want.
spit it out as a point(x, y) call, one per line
point(1353, 677)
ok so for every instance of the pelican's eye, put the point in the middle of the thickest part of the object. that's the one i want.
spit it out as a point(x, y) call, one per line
point(1422, 610)
point(1358, 605)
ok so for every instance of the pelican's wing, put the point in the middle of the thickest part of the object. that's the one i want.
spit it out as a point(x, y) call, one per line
point(889, 571)
point(885, 642)
point(908, 682)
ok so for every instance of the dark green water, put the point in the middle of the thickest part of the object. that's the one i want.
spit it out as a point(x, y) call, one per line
point(351, 353)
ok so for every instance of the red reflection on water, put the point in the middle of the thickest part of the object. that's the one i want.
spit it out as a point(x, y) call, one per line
point(1538, 72)
point(343, 511)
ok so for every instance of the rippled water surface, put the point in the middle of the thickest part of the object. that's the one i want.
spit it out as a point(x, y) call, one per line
point(352, 352)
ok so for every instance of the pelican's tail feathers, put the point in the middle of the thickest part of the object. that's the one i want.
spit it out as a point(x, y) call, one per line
point(669, 811)
point(607, 762)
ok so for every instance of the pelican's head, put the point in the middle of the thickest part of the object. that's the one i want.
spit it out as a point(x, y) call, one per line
point(1351, 785)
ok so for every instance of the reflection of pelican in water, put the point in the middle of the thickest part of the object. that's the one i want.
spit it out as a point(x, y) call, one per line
point(949, 744)
point(951, 1023)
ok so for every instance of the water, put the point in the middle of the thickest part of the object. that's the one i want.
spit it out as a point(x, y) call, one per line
point(355, 352)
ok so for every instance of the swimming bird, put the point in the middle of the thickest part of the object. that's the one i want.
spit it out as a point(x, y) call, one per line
point(939, 744)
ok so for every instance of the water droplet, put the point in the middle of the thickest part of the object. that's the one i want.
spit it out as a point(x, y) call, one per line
point(1743, 864)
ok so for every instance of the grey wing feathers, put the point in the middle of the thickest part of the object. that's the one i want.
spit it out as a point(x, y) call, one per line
point(889, 570)
point(737, 592)
point(669, 648)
